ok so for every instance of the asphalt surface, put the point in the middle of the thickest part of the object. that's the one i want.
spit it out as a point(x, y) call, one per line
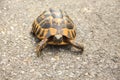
point(98, 28)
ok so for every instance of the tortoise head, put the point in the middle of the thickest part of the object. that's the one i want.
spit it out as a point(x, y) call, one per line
point(58, 38)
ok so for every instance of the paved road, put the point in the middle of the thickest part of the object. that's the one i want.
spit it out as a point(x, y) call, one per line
point(98, 28)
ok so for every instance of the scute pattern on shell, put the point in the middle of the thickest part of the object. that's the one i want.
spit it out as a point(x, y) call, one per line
point(54, 22)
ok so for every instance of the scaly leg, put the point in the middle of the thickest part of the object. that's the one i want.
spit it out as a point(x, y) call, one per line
point(40, 46)
point(77, 45)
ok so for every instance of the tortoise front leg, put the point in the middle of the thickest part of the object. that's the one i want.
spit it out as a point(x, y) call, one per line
point(77, 45)
point(40, 46)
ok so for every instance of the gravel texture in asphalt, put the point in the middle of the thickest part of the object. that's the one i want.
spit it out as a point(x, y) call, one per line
point(98, 28)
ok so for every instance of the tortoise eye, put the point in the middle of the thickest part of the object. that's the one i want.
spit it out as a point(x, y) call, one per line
point(45, 25)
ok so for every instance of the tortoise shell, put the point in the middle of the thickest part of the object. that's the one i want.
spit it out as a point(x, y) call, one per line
point(53, 22)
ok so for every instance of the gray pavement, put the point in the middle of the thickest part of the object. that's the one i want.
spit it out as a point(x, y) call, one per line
point(98, 28)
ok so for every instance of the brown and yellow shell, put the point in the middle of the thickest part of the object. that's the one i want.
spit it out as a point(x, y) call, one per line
point(54, 22)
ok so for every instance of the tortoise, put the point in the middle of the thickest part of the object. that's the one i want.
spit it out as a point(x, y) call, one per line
point(54, 27)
